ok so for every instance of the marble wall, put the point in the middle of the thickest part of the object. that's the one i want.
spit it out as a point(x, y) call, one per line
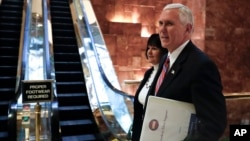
point(227, 42)
point(221, 30)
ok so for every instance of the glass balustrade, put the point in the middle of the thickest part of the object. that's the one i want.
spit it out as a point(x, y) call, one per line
point(109, 104)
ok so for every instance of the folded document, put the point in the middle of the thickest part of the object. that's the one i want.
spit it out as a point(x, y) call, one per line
point(167, 120)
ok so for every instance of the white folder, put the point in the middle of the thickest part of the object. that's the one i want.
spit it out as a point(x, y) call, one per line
point(167, 120)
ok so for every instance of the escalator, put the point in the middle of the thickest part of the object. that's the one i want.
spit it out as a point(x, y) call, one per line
point(10, 26)
point(76, 118)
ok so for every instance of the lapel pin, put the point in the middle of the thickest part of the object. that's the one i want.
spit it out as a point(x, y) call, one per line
point(172, 71)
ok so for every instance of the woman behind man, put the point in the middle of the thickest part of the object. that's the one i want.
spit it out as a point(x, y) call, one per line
point(154, 52)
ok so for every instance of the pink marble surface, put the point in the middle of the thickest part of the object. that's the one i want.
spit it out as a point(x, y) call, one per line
point(227, 42)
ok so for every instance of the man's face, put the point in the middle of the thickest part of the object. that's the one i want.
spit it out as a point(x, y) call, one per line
point(172, 32)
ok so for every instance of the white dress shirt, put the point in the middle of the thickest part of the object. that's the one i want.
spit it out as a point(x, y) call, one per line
point(173, 55)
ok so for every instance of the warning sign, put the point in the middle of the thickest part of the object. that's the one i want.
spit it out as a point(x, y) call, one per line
point(37, 91)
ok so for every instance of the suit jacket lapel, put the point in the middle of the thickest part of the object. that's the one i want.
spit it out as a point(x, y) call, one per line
point(176, 67)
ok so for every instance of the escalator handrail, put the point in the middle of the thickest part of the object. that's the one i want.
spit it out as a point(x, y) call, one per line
point(88, 35)
point(101, 70)
point(55, 127)
point(46, 40)
point(106, 80)
point(24, 45)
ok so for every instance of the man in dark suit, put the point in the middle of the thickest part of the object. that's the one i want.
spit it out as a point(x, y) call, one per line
point(191, 76)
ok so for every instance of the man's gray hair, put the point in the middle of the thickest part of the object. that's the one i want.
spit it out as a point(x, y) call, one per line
point(185, 14)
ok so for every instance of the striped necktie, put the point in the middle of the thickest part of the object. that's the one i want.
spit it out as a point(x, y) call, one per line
point(162, 75)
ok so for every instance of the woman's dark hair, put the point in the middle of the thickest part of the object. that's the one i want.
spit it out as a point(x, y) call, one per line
point(154, 40)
